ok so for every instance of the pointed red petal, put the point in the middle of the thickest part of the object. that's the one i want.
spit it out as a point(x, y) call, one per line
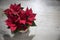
point(22, 21)
point(30, 10)
point(30, 23)
point(13, 29)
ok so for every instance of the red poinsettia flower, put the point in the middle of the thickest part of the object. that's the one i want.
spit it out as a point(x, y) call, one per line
point(30, 15)
point(15, 7)
point(11, 25)
point(19, 18)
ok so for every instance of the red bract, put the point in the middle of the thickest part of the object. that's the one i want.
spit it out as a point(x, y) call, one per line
point(11, 25)
point(30, 15)
point(18, 18)
point(15, 7)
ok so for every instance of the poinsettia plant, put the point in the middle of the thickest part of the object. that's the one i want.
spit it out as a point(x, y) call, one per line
point(19, 19)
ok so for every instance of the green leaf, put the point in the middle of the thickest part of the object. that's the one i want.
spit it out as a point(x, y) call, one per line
point(33, 24)
point(16, 31)
point(22, 7)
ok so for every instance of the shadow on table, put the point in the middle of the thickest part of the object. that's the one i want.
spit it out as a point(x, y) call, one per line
point(20, 36)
